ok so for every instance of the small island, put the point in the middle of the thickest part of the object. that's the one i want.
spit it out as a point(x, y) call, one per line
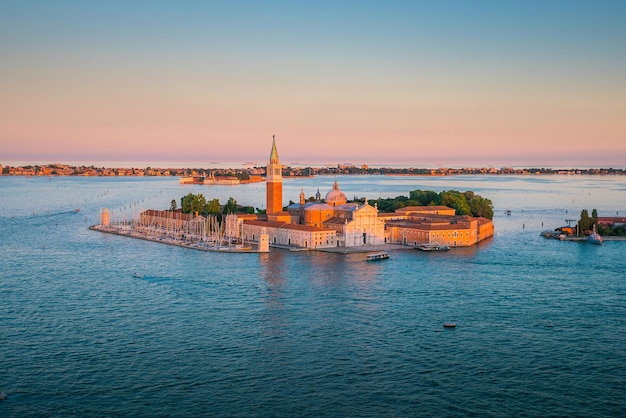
point(593, 229)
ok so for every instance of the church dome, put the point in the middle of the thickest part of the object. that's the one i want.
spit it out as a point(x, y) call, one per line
point(335, 197)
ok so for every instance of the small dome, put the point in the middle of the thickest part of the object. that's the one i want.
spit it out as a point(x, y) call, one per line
point(335, 197)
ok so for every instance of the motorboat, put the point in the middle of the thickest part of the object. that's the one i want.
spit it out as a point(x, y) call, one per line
point(377, 256)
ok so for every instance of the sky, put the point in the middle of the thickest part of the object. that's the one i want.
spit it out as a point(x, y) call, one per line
point(367, 82)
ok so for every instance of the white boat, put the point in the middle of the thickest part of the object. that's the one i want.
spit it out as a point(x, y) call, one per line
point(432, 247)
point(595, 238)
point(377, 256)
point(138, 275)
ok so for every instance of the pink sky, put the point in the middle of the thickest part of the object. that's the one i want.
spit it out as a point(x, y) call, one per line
point(400, 95)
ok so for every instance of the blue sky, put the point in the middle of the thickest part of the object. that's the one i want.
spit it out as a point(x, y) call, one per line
point(373, 82)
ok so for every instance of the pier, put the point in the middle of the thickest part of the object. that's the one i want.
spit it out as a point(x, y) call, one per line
point(197, 244)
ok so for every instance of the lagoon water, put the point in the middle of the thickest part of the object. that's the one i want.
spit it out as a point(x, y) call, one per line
point(540, 323)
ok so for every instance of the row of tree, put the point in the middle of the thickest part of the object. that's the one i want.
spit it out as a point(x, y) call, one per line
point(197, 203)
point(466, 203)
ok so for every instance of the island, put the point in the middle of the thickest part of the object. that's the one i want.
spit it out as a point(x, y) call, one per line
point(449, 218)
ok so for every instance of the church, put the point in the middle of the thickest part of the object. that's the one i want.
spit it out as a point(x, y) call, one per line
point(319, 224)
point(333, 222)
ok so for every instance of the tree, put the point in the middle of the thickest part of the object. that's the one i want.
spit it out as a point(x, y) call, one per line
point(231, 206)
point(191, 203)
point(424, 197)
point(594, 217)
point(213, 207)
point(455, 200)
point(185, 202)
point(243, 175)
point(584, 223)
point(481, 206)
point(173, 205)
point(385, 205)
point(198, 203)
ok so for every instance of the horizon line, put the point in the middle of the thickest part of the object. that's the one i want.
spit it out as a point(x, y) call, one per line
point(254, 164)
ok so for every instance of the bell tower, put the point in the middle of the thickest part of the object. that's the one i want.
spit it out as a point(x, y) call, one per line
point(274, 182)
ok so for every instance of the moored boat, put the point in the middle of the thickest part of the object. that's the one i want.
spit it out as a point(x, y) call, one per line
point(432, 247)
point(594, 237)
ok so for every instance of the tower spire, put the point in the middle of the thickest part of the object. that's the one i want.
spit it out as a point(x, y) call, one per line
point(274, 152)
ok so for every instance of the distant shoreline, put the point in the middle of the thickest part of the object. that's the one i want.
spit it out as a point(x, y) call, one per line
point(51, 170)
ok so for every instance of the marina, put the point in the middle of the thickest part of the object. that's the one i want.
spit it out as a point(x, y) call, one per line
point(196, 244)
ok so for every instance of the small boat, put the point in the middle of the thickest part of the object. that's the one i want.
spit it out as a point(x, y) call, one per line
point(508, 212)
point(594, 237)
point(449, 325)
point(377, 256)
point(138, 275)
point(432, 247)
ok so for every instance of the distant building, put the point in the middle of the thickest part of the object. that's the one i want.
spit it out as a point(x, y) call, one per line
point(191, 180)
point(612, 221)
